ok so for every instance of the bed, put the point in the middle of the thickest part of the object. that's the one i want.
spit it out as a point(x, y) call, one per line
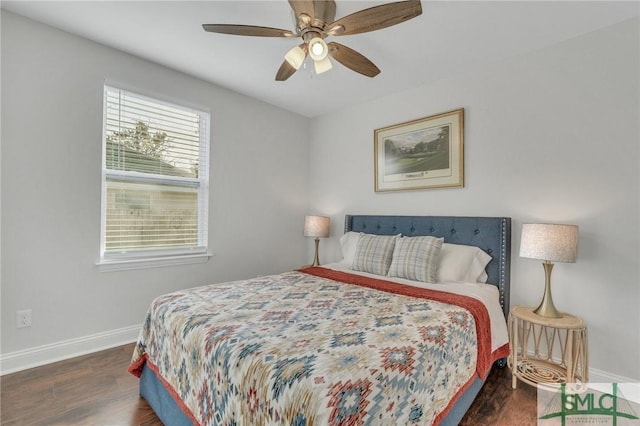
point(330, 345)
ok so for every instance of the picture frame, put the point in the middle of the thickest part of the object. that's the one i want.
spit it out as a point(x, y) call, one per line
point(420, 154)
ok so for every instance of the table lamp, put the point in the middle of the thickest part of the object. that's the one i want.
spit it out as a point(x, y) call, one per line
point(550, 243)
point(317, 227)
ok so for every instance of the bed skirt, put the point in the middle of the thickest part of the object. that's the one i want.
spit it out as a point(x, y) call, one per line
point(169, 412)
point(162, 402)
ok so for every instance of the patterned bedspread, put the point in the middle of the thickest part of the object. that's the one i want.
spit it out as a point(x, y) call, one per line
point(304, 348)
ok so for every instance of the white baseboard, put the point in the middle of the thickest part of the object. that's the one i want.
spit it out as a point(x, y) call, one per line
point(599, 376)
point(47, 354)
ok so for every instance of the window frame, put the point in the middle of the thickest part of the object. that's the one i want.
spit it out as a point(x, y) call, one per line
point(155, 257)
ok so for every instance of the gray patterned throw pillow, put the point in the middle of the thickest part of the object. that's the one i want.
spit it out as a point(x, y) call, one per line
point(416, 258)
point(374, 253)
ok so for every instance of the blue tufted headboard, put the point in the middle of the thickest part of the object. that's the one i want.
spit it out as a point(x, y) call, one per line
point(491, 234)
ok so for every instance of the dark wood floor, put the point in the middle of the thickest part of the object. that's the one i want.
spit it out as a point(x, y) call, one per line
point(96, 389)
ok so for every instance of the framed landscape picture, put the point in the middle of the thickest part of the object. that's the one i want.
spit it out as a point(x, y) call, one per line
point(420, 154)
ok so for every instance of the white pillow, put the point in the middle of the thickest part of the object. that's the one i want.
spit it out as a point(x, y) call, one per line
point(374, 253)
point(462, 263)
point(348, 244)
point(416, 258)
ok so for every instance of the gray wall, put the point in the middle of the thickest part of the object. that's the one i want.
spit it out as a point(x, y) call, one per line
point(52, 86)
point(550, 136)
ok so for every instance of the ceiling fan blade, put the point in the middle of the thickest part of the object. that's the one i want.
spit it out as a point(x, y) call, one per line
point(303, 6)
point(376, 17)
point(325, 10)
point(247, 30)
point(285, 71)
point(352, 59)
point(316, 13)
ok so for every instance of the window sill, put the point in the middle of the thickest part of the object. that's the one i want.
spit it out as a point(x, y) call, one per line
point(154, 262)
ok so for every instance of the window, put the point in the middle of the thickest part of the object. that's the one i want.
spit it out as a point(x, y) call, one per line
point(154, 182)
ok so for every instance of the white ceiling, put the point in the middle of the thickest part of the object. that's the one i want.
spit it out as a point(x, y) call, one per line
point(449, 38)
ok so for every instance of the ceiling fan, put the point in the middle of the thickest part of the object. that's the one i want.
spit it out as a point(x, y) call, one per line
point(315, 20)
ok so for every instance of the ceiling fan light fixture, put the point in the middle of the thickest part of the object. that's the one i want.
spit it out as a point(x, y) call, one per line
point(322, 65)
point(295, 57)
point(318, 49)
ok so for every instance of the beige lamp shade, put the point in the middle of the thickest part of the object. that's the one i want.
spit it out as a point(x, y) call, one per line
point(323, 65)
point(316, 226)
point(549, 242)
point(318, 49)
point(295, 57)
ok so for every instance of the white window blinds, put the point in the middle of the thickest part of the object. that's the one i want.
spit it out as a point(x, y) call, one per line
point(155, 177)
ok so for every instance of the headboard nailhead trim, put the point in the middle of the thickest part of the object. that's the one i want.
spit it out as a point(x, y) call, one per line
point(503, 260)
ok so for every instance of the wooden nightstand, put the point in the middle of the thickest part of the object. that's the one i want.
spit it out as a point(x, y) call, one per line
point(547, 350)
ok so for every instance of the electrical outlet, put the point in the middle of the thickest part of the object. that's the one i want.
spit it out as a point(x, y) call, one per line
point(23, 318)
